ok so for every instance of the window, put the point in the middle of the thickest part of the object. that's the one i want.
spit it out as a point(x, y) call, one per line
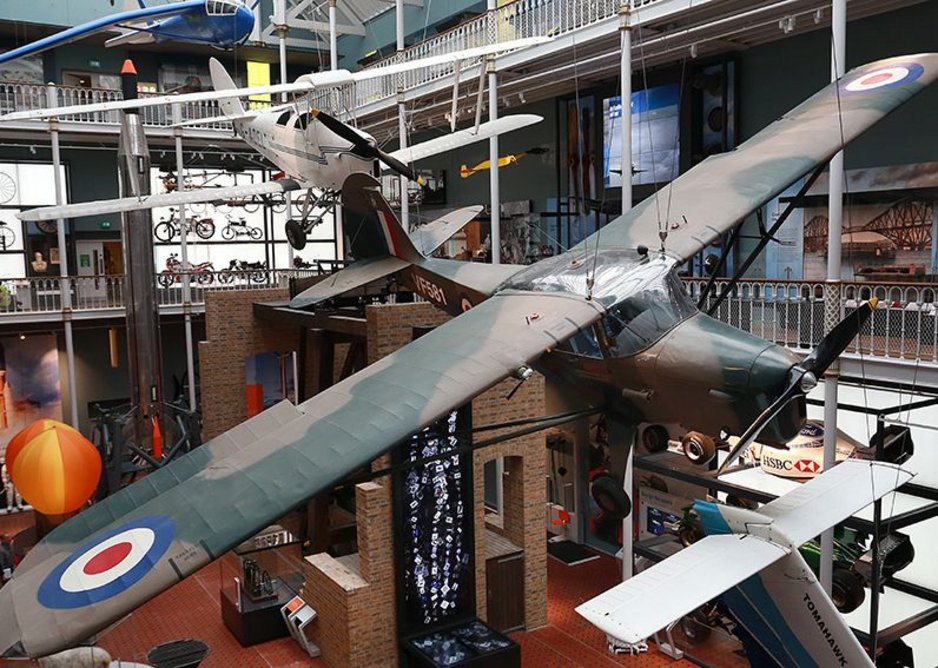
point(641, 319)
point(284, 118)
point(221, 8)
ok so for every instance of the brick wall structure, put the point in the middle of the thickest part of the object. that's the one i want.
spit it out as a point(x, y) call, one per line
point(355, 597)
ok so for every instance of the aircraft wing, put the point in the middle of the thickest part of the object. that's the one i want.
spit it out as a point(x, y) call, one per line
point(196, 195)
point(348, 278)
point(435, 233)
point(82, 587)
point(833, 497)
point(713, 197)
point(99, 25)
point(454, 140)
point(305, 84)
point(648, 602)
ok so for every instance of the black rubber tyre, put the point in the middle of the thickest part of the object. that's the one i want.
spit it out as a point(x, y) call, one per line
point(164, 231)
point(698, 448)
point(608, 494)
point(205, 228)
point(847, 590)
point(204, 277)
point(227, 233)
point(655, 438)
point(226, 276)
point(165, 279)
point(295, 235)
point(256, 233)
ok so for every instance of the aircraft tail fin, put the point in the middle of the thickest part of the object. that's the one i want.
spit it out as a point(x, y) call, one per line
point(221, 80)
point(371, 226)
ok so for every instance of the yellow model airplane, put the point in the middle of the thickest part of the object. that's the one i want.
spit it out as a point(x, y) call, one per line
point(503, 161)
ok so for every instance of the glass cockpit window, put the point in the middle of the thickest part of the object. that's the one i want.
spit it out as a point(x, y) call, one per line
point(284, 118)
point(644, 317)
point(302, 121)
point(583, 343)
point(221, 7)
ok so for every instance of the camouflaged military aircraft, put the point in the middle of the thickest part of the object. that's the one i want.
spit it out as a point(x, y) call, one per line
point(608, 320)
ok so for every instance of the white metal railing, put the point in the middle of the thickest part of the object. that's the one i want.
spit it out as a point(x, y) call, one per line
point(92, 293)
point(515, 20)
point(10, 499)
point(791, 313)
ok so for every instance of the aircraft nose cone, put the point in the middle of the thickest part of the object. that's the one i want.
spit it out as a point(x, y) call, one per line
point(244, 20)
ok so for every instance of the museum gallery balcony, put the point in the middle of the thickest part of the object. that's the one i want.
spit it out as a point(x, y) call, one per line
point(668, 28)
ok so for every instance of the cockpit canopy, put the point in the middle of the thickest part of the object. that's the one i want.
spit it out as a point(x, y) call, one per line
point(222, 7)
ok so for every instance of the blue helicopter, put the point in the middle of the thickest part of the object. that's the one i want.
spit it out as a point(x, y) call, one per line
point(221, 23)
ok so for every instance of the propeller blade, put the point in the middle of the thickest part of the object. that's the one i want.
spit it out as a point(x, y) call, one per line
point(346, 132)
point(364, 147)
point(839, 338)
point(398, 166)
point(803, 376)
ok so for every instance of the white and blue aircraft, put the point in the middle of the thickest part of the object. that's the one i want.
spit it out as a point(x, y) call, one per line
point(220, 23)
point(751, 558)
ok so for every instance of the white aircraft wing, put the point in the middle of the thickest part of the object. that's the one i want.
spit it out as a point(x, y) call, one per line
point(304, 84)
point(649, 601)
point(460, 138)
point(833, 497)
point(435, 233)
point(99, 207)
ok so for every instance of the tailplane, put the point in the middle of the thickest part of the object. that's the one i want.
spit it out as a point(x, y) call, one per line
point(221, 80)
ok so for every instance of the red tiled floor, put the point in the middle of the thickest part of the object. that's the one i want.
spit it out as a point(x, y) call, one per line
point(191, 609)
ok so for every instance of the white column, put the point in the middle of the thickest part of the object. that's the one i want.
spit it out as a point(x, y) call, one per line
point(334, 65)
point(493, 142)
point(280, 23)
point(625, 92)
point(183, 256)
point(625, 77)
point(401, 115)
point(65, 282)
point(832, 301)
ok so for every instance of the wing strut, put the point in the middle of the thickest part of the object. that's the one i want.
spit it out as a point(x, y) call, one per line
point(766, 236)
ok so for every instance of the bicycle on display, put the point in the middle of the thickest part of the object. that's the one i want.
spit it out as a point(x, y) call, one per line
point(255, 272)
point(168, 228)
point(7, 236)
point(238, 227)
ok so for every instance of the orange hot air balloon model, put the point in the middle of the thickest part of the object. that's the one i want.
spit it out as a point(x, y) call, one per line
point(53, 466)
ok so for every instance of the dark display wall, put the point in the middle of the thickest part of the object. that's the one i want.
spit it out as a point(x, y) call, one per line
point(433, 527)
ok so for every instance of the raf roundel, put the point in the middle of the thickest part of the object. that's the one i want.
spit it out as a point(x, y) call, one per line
point(899, 74)
point(108, 565)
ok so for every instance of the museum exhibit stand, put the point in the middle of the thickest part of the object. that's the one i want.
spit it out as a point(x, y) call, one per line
point(896, 604)
point(256, 580)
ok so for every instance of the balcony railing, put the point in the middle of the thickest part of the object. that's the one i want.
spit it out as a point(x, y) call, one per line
point(791, 313)
point(515, 20)
point(95, 293)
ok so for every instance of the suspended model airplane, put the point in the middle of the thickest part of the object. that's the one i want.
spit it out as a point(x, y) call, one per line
point(311, 147)
point(221, 23)
point(503, 161)
point(754, 555)
point(607, 320)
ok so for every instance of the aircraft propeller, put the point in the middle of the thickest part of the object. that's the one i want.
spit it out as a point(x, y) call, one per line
point(365, 146)
point(803, 377)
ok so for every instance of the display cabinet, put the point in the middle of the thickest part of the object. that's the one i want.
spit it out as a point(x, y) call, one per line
point(256, 579)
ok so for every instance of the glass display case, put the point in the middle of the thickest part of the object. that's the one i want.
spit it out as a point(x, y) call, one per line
point(256, 579)
point(469, 643)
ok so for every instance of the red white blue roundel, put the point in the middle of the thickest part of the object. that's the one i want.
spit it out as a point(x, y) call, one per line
point(890, 76)
point(108, 565)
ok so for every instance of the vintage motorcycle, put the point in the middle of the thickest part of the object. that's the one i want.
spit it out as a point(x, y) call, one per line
point(255, 272)
point(167, 229)
point(203, 273)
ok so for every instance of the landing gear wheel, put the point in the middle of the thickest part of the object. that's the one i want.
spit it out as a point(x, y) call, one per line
point(847, 590)
point(609, 496)
point(698, 448)
point(655, 438)
point(295, 235)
